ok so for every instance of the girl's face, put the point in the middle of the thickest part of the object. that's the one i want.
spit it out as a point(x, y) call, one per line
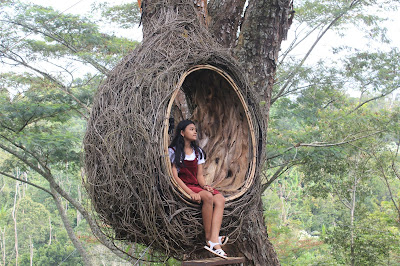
point(190, 133)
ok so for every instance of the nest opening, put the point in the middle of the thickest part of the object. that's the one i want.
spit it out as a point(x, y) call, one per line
point(210, 97)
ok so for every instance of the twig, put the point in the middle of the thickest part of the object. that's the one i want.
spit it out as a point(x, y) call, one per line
point(323, 144)
point(25, 181)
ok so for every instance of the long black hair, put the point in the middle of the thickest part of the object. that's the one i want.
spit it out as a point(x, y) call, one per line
point(178, 143)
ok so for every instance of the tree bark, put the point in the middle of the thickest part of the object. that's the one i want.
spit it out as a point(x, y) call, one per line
point(70, 231)
point(14, 216)
point(265, 25)
point(30, 251)
point(352, 210)
point(3, 244)
point(50, 231)
point(224, 20)
point(257, 248)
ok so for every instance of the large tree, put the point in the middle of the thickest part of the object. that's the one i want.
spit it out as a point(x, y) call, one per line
point(254, 39)
point(262, 29)
point(43, 91)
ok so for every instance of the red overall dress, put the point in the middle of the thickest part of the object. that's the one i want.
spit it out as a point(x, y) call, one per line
point(188, 174)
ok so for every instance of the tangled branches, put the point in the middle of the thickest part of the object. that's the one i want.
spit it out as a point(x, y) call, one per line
point(125, 149)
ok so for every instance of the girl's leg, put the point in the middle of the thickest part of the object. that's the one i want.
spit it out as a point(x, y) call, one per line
point(219, 205)
point(207, 212)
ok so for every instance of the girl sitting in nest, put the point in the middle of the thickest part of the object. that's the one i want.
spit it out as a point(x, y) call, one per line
point(187, 160)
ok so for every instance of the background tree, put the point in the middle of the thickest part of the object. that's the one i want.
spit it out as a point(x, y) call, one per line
point(41, 122)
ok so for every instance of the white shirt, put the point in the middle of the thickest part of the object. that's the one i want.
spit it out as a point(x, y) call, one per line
point(190, 157)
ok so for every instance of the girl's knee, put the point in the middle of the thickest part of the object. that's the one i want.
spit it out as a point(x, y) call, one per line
point(219, 200)
point(206, 197)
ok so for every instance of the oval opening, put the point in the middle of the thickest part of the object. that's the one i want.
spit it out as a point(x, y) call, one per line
point(208, 96)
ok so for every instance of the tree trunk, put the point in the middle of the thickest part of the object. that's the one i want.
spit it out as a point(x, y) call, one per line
point(78, 214)
point(30, 250)
point(70, 231)
point(14, 217)
point(254, 243)
point(262, 29)
point(352, 209)
point(224, 19)
point(24, 185)
point(3, 245)
point(283, 203)
point(4, 184)
point(265, 25)
point(50, 231)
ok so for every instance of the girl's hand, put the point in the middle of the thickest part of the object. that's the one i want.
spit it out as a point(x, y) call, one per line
point(208, 188)
point(196, 197)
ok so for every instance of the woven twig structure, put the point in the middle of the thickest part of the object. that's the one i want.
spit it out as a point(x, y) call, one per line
point(177, 72)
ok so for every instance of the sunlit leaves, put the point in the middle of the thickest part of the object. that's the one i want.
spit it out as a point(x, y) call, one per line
point(39, 33)
point(125, 15)
point(376, 238)
point(376, 72)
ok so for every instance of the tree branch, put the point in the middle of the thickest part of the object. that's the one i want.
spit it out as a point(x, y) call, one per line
point(294, 44)
point(62, 41)
point(25, 181)
point(70, 231)
point(25, 150)
point(25, 124)
point(344, 201)
point(384, 177)
point(93, 225)
point(390, 190)
point(278, 173)
point(24, 160)
point(49, 77)
point(396, 173)
point(293, 74)
point(372, 99)
point(323, 144)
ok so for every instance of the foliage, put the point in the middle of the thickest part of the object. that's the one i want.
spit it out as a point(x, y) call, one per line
point(346, 150)
point(54, 62)
point(377, 240)
point(58, 253)
point(338, 144)
point(125, 15)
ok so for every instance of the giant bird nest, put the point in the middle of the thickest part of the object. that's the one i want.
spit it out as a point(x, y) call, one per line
point(177, 72)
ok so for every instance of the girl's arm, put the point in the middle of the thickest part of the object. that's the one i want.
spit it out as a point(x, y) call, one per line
point(196, 197)
point(201, 179)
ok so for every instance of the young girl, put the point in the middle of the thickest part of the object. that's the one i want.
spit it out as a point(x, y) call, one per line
point(187, 160)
